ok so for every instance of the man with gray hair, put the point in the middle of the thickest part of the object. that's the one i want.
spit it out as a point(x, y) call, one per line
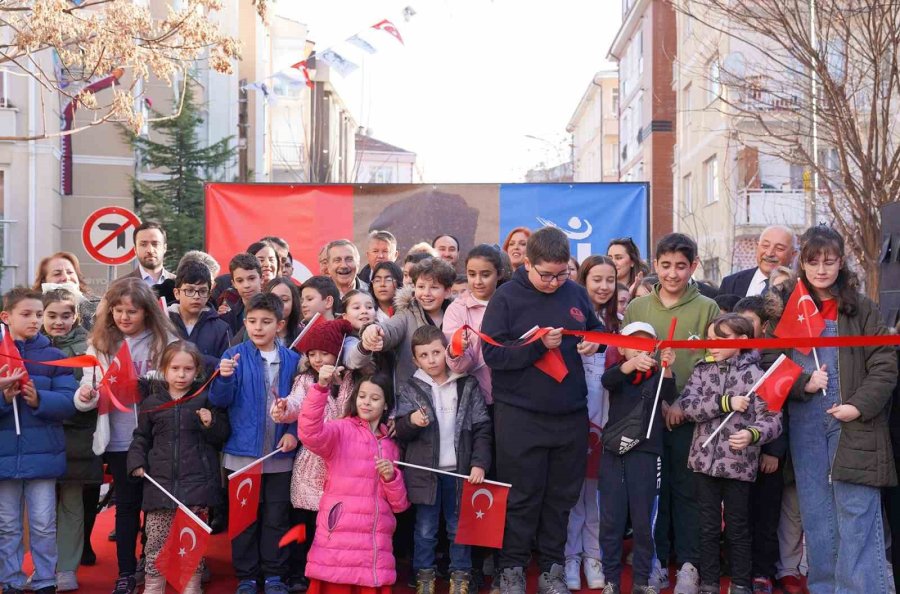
point(776, 247)
point(343, 263)
point(382, 248)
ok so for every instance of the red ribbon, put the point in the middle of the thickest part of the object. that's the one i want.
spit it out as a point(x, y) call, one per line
point(183, 399)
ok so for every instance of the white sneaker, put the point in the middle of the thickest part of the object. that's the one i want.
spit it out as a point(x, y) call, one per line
point(659, 576)
point(687, 580)
point(593, 573)
point(66, 582)
point(573, 573)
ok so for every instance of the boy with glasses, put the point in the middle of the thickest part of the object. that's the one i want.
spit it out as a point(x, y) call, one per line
point(540, 424)
point(194, 319)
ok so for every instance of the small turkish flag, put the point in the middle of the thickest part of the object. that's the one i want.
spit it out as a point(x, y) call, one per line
point(801, 317)
point(595, 449)
point(316, 320)
point(482, 515)
point(552, 364)
point(389, 28)
point(777, 384)
point(119, 386)
point(9, 355)
point(243, 500)
point(183, 550)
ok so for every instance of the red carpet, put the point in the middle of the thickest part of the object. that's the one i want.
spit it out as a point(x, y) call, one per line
point(99, 578)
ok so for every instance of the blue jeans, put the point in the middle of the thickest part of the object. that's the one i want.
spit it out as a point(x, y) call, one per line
point(40, 498)
point(428, 520)
point(843, 521)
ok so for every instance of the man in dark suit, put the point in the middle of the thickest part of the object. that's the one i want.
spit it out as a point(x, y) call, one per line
point(382, 248)
point(776, 247)
point(150, 249)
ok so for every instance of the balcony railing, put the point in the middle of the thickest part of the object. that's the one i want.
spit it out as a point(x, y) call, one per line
point(772, 207)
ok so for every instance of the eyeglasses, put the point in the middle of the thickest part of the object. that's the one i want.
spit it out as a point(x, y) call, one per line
point(547, 277)
point(383, 280)
point(202, 293)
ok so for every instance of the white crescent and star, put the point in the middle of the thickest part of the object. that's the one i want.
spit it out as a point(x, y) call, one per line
point(779, 389)
point(187, 530)
point(246, 481)
point(594, 430)
point(808, 313)
point(487, 493)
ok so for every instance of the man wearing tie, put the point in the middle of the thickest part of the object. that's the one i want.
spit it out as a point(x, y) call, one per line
point(776, 247)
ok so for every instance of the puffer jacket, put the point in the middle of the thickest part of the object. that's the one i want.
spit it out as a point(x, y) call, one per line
point(174, 447)
point(472, 437)
point(867, 377)
point(40, 451)
point(467, 311)
point(308, 476)
point(355, 526)
point(398, 330)
point(705, 401)
point(82, 464)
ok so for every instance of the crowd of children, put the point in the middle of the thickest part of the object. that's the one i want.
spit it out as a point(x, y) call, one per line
point(337, 379)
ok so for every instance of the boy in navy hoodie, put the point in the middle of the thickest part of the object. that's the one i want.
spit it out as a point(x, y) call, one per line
point(195, 321)
point(252, 375)
point(31, 462)
point(541, 425)
point(246, 283)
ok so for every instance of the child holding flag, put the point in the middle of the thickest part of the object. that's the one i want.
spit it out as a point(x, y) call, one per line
point(178, 445)
point(129, 325)
point(32, 446)
point(838, 408)
point(726, 468)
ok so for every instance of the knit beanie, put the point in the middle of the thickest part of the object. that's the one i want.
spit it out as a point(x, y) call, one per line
point(327, 336)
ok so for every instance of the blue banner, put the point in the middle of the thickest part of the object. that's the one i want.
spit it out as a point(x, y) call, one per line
point(589, 214)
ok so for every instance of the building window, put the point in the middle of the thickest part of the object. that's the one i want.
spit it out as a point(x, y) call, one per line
point(4, 88)
point(715, 86)
point(688, 24)
point(687, 104)
point(638, 121)
point(711, 270)
point(711, 173)
point(687, 193)
point(615, 101)
point(381, 175)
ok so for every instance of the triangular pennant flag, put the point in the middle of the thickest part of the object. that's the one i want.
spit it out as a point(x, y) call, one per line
point(389, 28)
point(295, 534)
point(304, 69)
point(777, 384)
point(482, 515)
point(359, 42)
point(595, 449)
point(552, 364)
point(183, 550)
point(801, 317)
point(243, 500)
point(9, 355)
point(341, 65)
point(119, 388)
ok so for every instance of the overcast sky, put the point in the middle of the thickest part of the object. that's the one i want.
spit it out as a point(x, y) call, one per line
point(473, 78)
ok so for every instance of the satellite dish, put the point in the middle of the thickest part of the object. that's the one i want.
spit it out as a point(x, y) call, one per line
point(734, 66)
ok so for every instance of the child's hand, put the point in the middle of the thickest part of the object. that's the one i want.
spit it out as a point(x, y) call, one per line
point(740, 440)
point(288, 443)
point(586, 348)
point(373, 338)
point(138, 473)
point(667, 357)
point(476, 475)
point(205, 416)
point(553, 338)
point(385, 468)
point(768, 464)
point(227, 366)
point(86, 394)
point(10, 393)
point(739, 403)
point(9, 380)
point(279, 410)
point(674, 416)
point(328, 374)
point(844, 412)
point(643, 362)
point(419, 418)
point(392, 427)
point(30, 395)
point(818, 380)
point(223, 309)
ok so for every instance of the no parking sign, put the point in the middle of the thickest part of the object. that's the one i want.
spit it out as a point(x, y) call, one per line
point(108, 235)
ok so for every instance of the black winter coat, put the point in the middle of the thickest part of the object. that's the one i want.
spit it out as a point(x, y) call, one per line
point(473, 437)
point(211, 335)
point(174, 447)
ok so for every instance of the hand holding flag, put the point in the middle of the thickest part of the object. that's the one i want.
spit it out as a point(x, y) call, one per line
point(119, 386)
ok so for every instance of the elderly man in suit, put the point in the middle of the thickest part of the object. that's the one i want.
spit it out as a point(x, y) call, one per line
point(776, 247)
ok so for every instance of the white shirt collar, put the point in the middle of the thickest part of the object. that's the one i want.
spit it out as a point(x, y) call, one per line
point(757, 283)
point(148, 278)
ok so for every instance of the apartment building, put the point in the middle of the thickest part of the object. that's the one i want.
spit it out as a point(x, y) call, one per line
point(594, 127)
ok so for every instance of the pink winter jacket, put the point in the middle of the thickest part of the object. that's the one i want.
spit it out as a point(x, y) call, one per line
point(308, 477)
point(355, 527)
point(465, 310)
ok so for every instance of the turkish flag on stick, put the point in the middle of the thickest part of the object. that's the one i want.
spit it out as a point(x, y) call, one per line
point(243, 500)
point(776, 385)
point(595, 449)
point(183, 550)
point(482, 515)
point(119, 386)
point(9, 355)
point(801, 317)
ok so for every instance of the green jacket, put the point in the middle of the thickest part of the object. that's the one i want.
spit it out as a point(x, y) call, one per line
point(867, 376)
point(694, 313)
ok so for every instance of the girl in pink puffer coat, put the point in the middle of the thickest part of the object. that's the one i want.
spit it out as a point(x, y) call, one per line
point(352, 548)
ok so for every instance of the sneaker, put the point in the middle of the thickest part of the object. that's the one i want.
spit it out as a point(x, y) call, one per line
point(762, 585)
point(710, 589)
point(642, 590)
point(46, 590)
point(739, 590)
point(573, 573)
point(791, 584)
point(495, 584)
point(66, 582)
point(275, 586)
point(425, 581)
point(460, 582)
point(299, 584)
point(553, 581)
point(88, 557)
point(611, 588)
point(246, 587)
point(125, 585)
point(659, 576)
point(687, 580)
point(139, 571)
point(512, 580)
point(593, 573)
